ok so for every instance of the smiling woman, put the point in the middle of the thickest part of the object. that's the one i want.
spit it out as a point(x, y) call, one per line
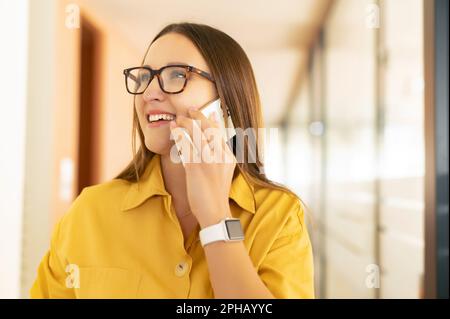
point(200, 230)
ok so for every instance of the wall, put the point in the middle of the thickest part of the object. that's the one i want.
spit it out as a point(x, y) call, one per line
point(13, 16)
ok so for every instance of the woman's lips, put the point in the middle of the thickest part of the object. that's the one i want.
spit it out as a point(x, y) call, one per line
point(158, 123)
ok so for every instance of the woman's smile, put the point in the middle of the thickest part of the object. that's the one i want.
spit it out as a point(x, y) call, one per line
point(157, 118)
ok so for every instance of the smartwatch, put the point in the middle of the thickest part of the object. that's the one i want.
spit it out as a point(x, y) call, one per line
point(229, 229)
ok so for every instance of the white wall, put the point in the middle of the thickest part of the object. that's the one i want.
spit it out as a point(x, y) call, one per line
point(13, 88)
point(38, 145)
point(27, 103)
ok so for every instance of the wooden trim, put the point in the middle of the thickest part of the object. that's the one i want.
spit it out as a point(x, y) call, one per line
point(88, 161)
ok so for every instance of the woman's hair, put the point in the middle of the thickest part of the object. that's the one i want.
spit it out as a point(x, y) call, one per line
point(236, 86)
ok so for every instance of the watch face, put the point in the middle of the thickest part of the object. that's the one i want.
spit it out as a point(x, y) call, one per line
point(234, 229)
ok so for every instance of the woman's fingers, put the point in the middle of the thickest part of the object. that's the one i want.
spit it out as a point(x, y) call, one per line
point(210, 126)
point(193, 129)
point(204, 121)
point(183, 141)
point(205, 138)
point(184, 122)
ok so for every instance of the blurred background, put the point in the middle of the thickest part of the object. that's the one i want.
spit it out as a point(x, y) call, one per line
point(358, 90)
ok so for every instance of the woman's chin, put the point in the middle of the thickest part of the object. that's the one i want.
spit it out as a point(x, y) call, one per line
point(161, 149)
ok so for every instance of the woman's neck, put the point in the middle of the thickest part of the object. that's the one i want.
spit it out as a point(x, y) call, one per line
point(175, 183)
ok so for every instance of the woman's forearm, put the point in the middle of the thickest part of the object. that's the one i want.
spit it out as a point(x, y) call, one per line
point(232, 273)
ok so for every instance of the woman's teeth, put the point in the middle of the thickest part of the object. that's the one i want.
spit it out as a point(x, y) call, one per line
point(157, 117)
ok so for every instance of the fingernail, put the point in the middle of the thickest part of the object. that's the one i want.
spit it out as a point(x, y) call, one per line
point(172, 124)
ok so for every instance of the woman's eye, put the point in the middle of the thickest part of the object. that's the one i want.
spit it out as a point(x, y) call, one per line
point(144, 77)
point(178, 75)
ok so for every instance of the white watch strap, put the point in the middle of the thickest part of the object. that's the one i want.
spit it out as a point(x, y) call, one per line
point(213, 233)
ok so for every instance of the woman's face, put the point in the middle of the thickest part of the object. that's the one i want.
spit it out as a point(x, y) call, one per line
point(171, 48)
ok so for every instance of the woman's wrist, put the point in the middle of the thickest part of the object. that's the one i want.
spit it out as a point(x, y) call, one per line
point(212, 218)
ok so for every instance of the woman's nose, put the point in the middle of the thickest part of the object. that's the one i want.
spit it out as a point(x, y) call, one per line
point(153, 91)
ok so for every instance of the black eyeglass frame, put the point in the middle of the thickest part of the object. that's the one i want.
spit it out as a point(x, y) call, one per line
point(189, 68)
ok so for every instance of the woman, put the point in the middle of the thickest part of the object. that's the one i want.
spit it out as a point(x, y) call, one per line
point(138, 236)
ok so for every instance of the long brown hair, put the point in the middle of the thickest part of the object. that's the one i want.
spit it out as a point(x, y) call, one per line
point(236, 87)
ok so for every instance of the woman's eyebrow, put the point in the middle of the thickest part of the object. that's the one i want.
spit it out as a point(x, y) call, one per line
point(170, 63)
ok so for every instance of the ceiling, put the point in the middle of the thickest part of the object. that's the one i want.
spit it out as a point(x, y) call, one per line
point(275, 34)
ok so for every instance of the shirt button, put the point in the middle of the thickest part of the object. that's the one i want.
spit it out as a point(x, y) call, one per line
point(181, 269)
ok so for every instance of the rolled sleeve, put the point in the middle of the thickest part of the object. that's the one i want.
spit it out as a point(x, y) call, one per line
point(287, 270)
point(51, 274)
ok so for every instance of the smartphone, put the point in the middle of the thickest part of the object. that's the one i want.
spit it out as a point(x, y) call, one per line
point(225, 122)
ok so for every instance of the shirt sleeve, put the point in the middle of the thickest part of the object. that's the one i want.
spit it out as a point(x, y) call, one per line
point(52, 279)
point(287, 269)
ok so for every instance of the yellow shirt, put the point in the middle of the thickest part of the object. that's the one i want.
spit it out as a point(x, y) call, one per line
point(123, 240)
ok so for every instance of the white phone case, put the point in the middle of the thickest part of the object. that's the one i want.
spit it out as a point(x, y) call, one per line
point(228, 131)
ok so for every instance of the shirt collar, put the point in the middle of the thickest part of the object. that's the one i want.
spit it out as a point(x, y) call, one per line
point(152, 183)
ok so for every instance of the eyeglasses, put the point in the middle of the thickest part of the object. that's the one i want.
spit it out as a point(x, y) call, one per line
point(172, 79)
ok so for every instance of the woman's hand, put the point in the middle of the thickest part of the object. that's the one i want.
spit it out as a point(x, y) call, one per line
point(209, 176)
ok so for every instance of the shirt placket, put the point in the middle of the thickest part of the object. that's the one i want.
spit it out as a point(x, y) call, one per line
point(182, 265)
